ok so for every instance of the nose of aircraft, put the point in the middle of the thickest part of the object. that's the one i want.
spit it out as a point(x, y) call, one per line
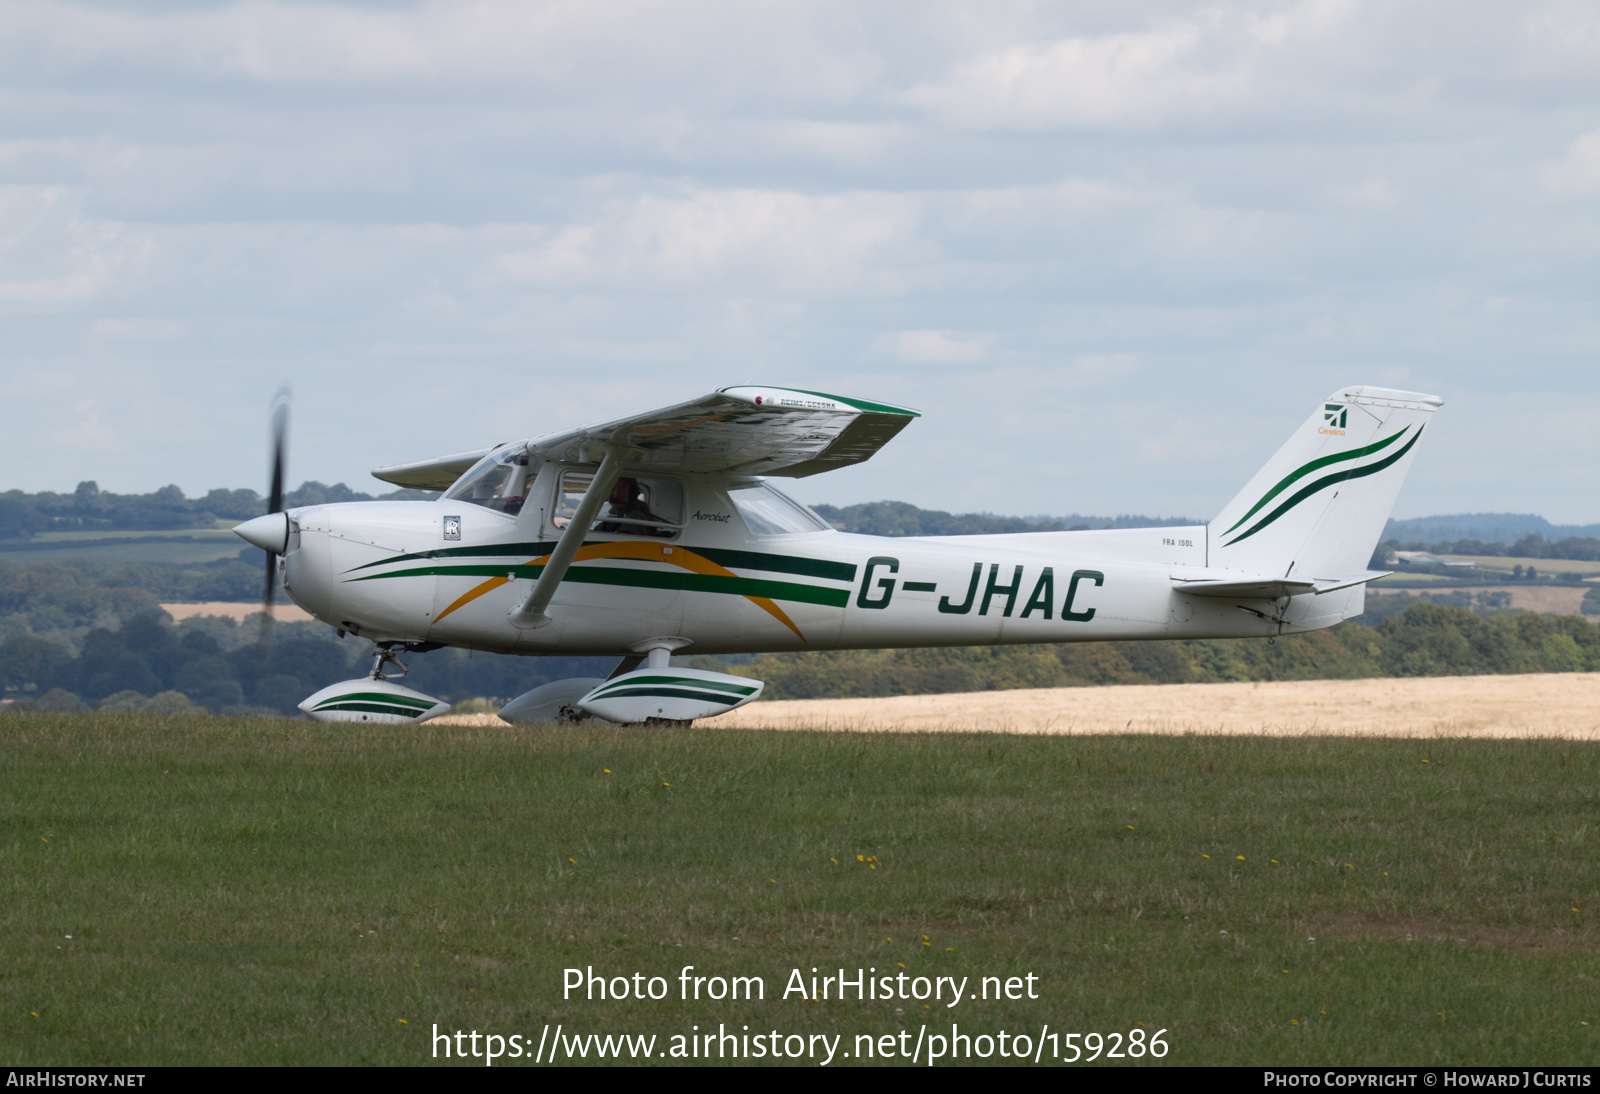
point(269, 532)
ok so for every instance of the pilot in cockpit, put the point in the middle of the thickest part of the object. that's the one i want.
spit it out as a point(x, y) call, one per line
point(627, 500)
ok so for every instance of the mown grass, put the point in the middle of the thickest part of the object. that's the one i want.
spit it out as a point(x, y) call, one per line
point(263, 891)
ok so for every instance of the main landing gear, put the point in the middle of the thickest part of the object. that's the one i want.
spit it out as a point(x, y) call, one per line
point(387, 653)
point(645, 689)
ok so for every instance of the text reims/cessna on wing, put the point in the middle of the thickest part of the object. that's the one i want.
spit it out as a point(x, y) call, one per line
point(662, 532)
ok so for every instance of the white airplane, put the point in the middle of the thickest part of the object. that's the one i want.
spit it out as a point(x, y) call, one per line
point(662, 532)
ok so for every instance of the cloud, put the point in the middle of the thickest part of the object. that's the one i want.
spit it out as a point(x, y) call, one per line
point(137, 328)
point(1099, 222)
point(933, 347)
point(52, 255)
point(739, 241)
point(1096, 369)
point(1110, 81)
point(1577, 174)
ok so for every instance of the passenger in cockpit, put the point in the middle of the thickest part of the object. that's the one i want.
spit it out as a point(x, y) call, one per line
point(627, 500)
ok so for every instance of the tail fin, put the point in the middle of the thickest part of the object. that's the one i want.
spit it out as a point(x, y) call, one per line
point(1317, 508)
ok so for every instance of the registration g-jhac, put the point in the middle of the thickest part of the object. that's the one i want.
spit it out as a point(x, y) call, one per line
point(667, 531)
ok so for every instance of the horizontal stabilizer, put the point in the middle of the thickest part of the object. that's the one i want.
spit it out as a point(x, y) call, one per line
point(1203, 582)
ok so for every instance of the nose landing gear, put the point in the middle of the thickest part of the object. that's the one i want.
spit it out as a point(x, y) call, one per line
point(375, 697)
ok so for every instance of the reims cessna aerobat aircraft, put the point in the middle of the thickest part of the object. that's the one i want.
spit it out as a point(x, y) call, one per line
point(663, 532)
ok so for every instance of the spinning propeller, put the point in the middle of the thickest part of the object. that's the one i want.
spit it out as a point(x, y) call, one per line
point(280, 443)
point(270, 532)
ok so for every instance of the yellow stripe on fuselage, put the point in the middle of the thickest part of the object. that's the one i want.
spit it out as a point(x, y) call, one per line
point(640, 552)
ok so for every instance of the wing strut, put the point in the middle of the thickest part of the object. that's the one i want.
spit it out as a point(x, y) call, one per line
point(531, 615)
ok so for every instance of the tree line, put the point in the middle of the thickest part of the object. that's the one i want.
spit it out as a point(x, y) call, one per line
point(899, 518)
point(67, 632)
point(1425, 639)
point(149, 663)
point(1573, 548)
point(90, 509)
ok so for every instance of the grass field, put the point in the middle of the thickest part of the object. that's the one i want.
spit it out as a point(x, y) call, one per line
point(1546, 566)
point(179, 546)
point(1555, 599)
point(267, 891)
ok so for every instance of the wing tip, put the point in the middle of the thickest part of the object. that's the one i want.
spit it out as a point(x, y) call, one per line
point(804, 399)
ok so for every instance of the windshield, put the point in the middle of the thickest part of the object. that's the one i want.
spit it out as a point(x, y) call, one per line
point(768, 512)
point(499, 481)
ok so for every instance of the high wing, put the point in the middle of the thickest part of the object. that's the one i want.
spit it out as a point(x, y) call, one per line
point(735, 430)
point(439, 473)
point(741, 430)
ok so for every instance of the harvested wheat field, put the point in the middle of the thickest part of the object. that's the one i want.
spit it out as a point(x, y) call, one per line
point(1558, 599)
point(1565, 705)
point(228, 609)
point(1536, 705)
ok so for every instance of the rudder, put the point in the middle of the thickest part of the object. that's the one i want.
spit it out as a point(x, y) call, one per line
point(1317, 508)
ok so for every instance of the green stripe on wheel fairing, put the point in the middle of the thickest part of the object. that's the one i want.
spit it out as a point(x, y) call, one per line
point(376, 697)
point(677, 681)
point(1329, 480)
point(1316, 465)
point(671, 693)
point(371, 708)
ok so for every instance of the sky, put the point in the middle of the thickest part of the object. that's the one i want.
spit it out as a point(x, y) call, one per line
point(1114, 252)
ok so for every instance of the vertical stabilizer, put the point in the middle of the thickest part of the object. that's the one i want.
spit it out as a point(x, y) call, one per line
point(1317, 508)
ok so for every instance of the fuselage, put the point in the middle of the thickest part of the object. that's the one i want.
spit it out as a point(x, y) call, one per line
point(734, 577)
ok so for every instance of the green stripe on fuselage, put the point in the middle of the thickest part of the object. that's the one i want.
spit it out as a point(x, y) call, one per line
point(778, 564)
point(491, 550)
point(635, 578)
point(742, 560)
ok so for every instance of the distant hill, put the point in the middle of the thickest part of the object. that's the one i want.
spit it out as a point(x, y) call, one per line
point(90, 509)
point(900, 518)
point(1489, 527)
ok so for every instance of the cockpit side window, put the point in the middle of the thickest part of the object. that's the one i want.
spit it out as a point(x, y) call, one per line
point(768, 511)
point(499, 481)
point(635, 506)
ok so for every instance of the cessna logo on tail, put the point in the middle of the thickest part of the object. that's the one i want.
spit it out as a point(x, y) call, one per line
point(1334, 415)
